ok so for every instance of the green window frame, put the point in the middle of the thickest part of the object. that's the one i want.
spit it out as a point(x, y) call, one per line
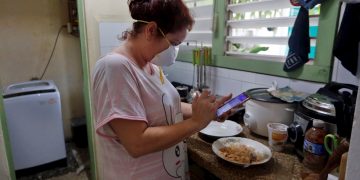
point(319, 71)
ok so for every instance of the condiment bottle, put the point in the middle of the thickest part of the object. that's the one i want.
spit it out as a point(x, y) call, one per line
point(314, 150)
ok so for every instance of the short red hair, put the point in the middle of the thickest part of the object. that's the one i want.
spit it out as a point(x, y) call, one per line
point(169, 15)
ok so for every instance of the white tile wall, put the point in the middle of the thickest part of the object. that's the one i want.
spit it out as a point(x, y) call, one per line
point(109, 35)
point(110, 31)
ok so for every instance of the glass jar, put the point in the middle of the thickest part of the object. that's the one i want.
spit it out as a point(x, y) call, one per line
point(314, 151)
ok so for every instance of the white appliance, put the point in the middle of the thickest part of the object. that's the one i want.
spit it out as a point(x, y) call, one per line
point(33, 114)
point(262, 108)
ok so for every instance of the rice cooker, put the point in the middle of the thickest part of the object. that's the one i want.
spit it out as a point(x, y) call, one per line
point(315, 106)
point(263, 108)
point(334, 104)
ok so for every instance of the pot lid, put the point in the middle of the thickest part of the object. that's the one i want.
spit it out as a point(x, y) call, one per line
point(320, 104)
point(261, 94)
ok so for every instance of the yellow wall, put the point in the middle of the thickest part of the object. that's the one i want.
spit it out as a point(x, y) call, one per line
point(27, 34)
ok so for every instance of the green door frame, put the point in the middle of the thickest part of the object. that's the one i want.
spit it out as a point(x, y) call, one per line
point(87, 86)
point(6, 140)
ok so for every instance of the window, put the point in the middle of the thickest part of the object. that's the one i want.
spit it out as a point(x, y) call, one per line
point(201, 34)
point(261, 29)
point(252, 35)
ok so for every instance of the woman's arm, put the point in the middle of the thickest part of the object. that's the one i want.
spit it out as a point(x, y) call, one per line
point(139, 139)
point(186, 110)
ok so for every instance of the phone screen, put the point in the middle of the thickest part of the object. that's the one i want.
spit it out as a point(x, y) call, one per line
point(241, 98)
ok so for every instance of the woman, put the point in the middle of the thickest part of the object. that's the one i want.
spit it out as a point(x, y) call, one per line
point(139, 116)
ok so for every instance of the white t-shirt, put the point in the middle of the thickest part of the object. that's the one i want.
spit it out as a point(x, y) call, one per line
point(123, 90)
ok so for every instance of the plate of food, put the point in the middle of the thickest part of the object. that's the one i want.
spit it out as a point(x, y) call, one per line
point(222, 129)
point(241, 151)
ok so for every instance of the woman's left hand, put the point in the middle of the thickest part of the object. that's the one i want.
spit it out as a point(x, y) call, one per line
point(227, 114)
point(224, 116)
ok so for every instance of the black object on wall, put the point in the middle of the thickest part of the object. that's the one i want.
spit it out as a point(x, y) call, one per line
point(79, 132)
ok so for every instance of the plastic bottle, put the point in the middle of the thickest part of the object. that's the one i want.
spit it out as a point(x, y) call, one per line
point(314, 151)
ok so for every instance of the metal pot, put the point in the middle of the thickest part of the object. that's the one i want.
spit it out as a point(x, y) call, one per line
point(263, 108)
point(316, 106)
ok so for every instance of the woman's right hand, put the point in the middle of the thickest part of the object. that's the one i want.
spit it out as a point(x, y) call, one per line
point(204, 108)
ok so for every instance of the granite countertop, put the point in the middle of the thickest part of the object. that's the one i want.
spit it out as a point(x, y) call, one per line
point(283, 165)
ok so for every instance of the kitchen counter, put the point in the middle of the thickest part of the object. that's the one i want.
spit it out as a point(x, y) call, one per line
point(283, 165)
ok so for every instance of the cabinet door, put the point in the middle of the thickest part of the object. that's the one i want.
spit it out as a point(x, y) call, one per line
point(6, 165)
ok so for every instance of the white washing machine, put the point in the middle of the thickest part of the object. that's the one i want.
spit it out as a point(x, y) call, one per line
point(35, 125)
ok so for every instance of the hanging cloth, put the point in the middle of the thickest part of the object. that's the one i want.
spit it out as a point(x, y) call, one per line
point(299, 42)
point(347, 40)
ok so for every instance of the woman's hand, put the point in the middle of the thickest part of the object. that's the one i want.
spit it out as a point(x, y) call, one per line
point(204, 108)
point(229, 113)
point(224, 116)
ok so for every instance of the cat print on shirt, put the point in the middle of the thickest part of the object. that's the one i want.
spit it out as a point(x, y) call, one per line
point(174, 157)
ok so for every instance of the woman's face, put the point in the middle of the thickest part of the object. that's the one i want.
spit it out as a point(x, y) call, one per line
point(176, 38)
point(173, 39)
point(157, 44)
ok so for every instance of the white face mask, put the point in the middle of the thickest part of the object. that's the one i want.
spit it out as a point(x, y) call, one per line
point(166, 57)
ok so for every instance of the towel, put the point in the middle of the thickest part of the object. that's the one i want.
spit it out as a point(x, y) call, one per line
point(347, 40)
point(299, 42)
point(289, 95)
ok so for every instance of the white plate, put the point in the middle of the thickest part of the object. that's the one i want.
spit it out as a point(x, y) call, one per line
point(222, 129)
point(261, 149)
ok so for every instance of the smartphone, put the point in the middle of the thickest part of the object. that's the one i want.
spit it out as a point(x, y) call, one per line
point(240, 99)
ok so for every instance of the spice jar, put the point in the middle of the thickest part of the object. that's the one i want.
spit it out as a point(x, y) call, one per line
point(314, 150)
